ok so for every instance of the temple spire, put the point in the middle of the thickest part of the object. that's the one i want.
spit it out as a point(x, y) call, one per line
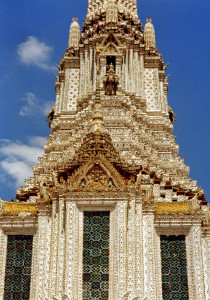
point(149, 34)
point(74, 34)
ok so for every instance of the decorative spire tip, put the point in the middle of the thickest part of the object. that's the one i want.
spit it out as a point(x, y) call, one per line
point(149, 20)
point(75, 19)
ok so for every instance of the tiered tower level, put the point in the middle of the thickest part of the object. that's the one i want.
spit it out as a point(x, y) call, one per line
point(111, 158)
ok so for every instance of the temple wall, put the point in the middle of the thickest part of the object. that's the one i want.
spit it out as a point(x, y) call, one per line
point(134, 249)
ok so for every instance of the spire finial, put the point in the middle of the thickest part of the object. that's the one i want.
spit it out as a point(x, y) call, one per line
point(149, 20)
point(75, 19)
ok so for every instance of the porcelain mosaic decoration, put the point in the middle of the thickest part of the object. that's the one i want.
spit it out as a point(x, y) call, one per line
point(110, 212)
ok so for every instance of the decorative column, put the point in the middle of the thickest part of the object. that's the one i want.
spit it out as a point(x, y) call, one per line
point(3, 256)
point(206, 261)
point(86, 67)
point(41, 261)
point(91, 69)
point(127, 71)
point(119, 70)
point(157, 89)
point(82, 75)
point(123, 73)
point(53, 248)
point(122, 249)
point(62, 95)
point(57, 101)
point(165, 95)
point(139, 249)
point(135, 267)
point(141, 69)
point(149, 256)
point(131, 247)
point(102, 69)
point(195, 263)
point(66, 88)
point(70, 285)
point(136, 72)
point(61, 241)
point(94, 70)
point(162, 98)
point(131, 71)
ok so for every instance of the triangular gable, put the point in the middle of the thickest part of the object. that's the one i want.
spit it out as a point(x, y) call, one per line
point(98, 174)
point(111, 44)
point(111, 38)
point(110, 48)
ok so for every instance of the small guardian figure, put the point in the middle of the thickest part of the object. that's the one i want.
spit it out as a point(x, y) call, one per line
point(110, 81)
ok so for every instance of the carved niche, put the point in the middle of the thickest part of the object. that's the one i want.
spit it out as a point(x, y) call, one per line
point(97, 179)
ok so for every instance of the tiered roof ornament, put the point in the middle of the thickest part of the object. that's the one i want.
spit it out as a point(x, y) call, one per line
point(95, 7)
point(74, 34)
point(149, 34)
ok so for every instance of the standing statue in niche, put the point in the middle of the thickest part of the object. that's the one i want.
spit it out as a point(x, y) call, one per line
point(110, 81)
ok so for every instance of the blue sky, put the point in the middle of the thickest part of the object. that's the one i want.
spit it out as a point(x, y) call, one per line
point(34, 36)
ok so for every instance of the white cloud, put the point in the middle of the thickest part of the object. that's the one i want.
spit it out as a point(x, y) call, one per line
point(37, 141)
point(34, 106)
point(18, 170)
point(34, 52)
point(18, 158)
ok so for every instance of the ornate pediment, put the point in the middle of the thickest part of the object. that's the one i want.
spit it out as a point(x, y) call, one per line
point(111, 45)
point(96, 175)
point(110, 49)
point(97, 179)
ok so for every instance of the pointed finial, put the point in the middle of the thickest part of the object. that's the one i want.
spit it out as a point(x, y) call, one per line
point(75, 19)
point(149, 20)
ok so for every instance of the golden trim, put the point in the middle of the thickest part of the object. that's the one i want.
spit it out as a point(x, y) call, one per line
point(172, 208)
point(12, 209)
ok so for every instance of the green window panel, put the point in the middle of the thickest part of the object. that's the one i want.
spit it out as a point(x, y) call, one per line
point(174, 267)
point(18, 267)
point(96, 255)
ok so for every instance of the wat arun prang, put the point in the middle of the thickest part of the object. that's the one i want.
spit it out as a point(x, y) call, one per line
point(111, 212)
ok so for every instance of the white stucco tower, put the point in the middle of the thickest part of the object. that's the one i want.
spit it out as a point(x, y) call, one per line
point(111, 212)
